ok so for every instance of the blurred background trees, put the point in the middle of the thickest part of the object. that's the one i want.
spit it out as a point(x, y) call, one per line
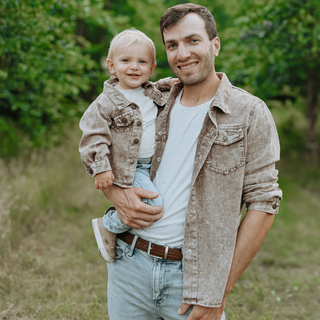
point(52, 61)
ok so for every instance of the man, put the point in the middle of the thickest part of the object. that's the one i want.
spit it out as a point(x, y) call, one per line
point(215, 150)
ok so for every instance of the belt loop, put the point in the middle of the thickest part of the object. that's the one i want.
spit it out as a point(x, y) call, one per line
point(133, 244)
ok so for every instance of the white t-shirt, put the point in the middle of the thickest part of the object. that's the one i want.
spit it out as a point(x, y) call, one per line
point(149, 114)
point(174, 175)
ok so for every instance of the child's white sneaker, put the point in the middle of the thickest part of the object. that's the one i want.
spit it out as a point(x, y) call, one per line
point(106, 240)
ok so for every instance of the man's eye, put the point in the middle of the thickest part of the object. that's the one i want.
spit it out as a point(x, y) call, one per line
point(194, 40)
point(171, 46)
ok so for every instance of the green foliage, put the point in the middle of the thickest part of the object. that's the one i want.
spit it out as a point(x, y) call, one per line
point(275, 44)
point(45, 65)
point(52, 56)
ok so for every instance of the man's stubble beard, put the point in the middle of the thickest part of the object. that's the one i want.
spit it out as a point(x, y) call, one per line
point(205, 71)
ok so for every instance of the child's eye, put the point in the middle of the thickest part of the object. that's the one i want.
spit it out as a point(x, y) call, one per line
point(125, 60)
point(142, 61)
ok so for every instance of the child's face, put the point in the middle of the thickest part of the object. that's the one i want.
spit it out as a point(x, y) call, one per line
point(132, 65)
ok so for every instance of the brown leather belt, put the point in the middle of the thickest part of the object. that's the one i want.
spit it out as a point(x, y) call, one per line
point(152, 248)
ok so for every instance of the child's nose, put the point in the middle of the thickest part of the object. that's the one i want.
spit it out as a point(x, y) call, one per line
point(134, 65)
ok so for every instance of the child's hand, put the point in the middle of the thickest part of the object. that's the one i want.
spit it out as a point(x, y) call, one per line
point(104, 180)
point(173, 81)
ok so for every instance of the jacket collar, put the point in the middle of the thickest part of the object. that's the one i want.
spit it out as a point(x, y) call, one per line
point(220, 100)
point(223, 93)
point(122, 102)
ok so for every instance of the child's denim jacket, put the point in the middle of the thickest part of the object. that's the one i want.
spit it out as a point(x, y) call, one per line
point(112, 130)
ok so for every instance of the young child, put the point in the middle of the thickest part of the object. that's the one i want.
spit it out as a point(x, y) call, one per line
point(118, 138)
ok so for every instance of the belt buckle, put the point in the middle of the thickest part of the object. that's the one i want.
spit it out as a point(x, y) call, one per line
point(165, 253)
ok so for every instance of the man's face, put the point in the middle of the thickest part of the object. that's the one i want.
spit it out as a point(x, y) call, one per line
point(190, 53)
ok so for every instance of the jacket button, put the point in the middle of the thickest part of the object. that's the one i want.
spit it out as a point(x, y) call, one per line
point(225, 138)
point(138, 123)
point(159, 159)
point(136, 141)
point(161, 114)
point(274, 206)
point(124, 120)
point(131, 161)
point(133, 107)
point(160, 133)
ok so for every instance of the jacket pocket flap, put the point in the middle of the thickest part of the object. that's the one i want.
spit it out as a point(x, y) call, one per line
point(124, 119)
point(226, 137)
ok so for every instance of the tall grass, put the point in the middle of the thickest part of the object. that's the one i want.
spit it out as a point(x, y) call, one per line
point(49, 265)
point(45, 184)
point(50, 269)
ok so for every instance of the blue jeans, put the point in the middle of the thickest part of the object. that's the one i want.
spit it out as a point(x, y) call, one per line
point(144, 287)
point(111, 220)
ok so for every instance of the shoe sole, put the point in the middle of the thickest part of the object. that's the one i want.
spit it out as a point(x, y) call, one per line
point(99, 240)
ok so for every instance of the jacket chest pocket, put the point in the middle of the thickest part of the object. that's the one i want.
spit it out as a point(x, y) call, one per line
point(122, 122)
point(227, 152)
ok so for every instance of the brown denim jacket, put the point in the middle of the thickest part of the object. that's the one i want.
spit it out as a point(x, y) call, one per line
point(234, 164)
point(112, 129)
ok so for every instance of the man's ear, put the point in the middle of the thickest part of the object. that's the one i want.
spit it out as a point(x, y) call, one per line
point(111, 66)
point(216, 46)
point(152, 69)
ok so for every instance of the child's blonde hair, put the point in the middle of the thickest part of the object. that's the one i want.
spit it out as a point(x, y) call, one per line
point(134, 36)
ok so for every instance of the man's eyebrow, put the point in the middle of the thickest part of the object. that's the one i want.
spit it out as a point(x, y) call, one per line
point(186, 37)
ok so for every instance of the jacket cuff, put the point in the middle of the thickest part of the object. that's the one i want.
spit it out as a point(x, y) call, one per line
point(268, 206)
point(100, 166)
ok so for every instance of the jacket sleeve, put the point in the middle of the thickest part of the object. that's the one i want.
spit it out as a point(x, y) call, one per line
point(96, 138)
point(261, 191)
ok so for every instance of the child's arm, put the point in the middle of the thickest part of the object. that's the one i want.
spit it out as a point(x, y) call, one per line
point(104, 180)
point(96, 139)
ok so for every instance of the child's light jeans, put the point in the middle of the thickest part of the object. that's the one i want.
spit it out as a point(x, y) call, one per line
point(111, 220)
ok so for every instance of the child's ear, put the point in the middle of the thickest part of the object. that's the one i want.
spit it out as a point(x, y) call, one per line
point(152, 69)
point(111, 66)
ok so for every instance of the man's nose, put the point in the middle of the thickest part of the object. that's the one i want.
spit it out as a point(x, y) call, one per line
point(183, 53)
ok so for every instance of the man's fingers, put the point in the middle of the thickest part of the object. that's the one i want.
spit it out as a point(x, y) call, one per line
point(139, 224)
point(143, 193)
point(183, 308)
point(141, 218)
point(148, 209)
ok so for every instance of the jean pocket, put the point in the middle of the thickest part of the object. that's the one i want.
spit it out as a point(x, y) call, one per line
point(227, 152)
point(122, 249)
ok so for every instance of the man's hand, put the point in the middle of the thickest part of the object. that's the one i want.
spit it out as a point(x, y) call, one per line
point(204, 313)
point(131, 210)
point(104, 180)
point(173, 81)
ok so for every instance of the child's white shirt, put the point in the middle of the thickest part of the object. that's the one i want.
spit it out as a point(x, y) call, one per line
point(149, 114)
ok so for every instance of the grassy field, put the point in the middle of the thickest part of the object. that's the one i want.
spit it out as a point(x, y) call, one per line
point(50, 269)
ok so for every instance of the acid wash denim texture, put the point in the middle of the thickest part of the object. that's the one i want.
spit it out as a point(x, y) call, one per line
point(112, 130)
point(234, 164)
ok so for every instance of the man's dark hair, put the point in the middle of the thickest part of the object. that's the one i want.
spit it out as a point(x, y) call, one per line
point(174, 14)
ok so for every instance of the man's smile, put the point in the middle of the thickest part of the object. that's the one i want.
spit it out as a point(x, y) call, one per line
point(188, 66)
